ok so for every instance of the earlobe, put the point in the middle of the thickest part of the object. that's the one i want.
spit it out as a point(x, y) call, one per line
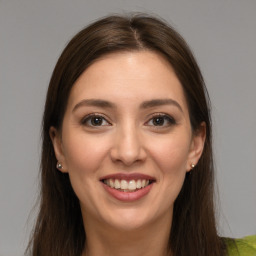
point(58, 150)
point(197, 146)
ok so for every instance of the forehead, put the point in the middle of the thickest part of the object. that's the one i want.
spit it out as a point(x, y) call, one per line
point(138, 75)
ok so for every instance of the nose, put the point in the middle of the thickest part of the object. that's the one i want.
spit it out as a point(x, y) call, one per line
point(128, 146)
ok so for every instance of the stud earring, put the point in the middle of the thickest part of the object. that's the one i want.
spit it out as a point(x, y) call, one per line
point(192, 166)
point(59, 165)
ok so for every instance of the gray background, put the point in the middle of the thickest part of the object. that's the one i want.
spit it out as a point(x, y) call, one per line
point(221, 33)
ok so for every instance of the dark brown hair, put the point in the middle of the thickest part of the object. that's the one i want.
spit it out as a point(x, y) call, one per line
point(59, 228)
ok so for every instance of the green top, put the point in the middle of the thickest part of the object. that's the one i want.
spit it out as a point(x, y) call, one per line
point(245, 246)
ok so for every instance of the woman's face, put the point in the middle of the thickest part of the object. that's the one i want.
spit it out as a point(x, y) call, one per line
point(126, 140)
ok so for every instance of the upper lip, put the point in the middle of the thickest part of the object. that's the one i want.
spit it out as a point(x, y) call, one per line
point(128, 176)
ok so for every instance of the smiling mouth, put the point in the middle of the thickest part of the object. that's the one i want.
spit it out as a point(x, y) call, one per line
point(127, 185)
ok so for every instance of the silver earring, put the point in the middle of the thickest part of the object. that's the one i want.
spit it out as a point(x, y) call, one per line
point(59, 165)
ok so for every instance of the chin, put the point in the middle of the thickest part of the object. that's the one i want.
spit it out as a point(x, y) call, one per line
point(130, 219)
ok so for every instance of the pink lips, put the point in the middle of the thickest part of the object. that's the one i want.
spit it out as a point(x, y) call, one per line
point(128, 196)
point(128, 176)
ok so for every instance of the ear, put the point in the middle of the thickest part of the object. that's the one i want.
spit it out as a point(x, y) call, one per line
point(197, 146)
point(58, 148)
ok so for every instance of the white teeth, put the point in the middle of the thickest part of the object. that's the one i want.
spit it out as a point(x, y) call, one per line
point(138, 184)
point(117, 184)
point(112, 183)
point(126, 185)
point(132, 185)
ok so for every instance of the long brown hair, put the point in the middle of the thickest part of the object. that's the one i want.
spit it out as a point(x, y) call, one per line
point(59, 228)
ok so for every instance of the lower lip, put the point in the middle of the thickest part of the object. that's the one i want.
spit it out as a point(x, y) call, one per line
point(128, 196)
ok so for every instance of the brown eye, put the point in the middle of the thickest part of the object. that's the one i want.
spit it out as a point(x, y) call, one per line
point(161, 120)
point(158, 121)
point(95, 120)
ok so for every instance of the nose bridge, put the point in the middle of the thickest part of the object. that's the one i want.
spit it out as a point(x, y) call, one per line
point(128, 146)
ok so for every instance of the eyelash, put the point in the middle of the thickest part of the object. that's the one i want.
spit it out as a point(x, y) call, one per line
point(170, 120)
point(90, 117)
point(166, 118)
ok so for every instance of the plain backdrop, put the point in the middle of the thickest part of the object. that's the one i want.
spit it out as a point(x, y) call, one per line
point(222, 35)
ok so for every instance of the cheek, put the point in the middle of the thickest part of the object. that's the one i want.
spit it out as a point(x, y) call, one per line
point(171, 154)
point(83, 153)
point(84, 157)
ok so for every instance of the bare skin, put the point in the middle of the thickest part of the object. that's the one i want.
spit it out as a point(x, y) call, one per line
point(127, 115)
point(149, 241)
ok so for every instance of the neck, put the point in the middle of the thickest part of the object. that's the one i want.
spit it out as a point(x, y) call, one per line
point(144, 241)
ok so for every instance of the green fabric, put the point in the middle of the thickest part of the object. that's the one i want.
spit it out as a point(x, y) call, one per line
point(241, 247)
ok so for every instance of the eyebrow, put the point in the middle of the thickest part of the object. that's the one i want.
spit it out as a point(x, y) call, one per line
point(94, 103)
point(146, 104)
point(160, 102)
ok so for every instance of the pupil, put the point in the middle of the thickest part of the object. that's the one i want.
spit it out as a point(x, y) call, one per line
point(97, 121)
point(158, 121)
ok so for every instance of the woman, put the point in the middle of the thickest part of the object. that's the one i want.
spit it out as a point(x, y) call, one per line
point(127, 154)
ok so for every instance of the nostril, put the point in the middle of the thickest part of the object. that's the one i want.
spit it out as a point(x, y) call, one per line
point(127, 149)
point(128, 157)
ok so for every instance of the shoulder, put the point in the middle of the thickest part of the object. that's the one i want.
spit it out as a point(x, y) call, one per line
point(245, 246)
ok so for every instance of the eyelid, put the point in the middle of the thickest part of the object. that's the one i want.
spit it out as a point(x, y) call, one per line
point(91, 115)
point(171, 119)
